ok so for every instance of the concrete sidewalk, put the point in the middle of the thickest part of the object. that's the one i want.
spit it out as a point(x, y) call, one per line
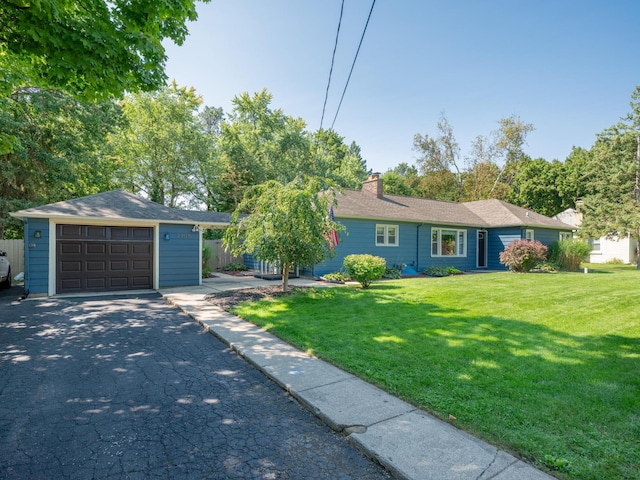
point(410, 443)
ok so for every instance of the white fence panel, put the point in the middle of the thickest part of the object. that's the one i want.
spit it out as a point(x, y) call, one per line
point(15, 254)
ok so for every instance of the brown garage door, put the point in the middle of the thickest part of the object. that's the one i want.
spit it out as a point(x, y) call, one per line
point(98, 258)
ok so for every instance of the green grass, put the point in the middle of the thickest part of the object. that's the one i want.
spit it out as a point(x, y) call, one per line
point(546, 366)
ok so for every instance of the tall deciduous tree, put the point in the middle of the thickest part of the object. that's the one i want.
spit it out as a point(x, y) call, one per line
point(287, 224)
point(93, 48)
point(258, 143)
point(439, 162)
point(535, 185)
point(161, 143)
point(58, 150)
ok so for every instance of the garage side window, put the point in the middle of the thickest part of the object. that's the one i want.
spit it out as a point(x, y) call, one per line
point(387, 236)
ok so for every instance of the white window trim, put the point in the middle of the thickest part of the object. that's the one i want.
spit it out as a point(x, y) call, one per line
point(565, 236)
point(458, 254)
point(386, 235)
point(529, 234)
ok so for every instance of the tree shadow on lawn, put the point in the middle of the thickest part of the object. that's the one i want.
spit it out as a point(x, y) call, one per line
point(548, 394)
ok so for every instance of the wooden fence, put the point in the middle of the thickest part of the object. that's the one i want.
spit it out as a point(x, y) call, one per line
point(15, 254)
point(220, 258)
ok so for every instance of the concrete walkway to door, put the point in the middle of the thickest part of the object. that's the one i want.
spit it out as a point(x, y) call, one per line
point(409, 442)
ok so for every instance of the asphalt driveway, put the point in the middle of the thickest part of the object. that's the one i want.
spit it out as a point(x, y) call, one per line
point(123, 387)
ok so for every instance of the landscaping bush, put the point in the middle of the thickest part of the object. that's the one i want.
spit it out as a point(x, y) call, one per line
point(569, 254)
point(392, 273)
point(365, 268)
point(436, 272)
point(453, 271)
point(235, 267)
point(523, 255)
point(337, 277)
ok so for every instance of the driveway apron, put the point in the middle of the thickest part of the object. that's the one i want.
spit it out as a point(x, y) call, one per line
point(126, 387)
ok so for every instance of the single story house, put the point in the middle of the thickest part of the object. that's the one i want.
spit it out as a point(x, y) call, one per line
point(112, 241)
point(603, 249)
point(421, 233)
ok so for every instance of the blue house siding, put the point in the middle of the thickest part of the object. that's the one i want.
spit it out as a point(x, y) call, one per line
point(545, 236)
point(360, 237)
point(467, 262)
point(37, 255)
point(179, 262)
point(414, 246)
point(498, 239)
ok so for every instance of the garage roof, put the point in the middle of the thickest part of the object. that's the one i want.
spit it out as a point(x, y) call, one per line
point(120, 205)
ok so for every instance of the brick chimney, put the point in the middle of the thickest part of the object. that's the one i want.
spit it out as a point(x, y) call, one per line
point(373, 186)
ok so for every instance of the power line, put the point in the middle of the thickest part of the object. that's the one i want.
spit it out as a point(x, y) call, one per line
point(353, 64)
point(333, 57)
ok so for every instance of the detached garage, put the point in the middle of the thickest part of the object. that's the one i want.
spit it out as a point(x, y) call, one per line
point(113, 241)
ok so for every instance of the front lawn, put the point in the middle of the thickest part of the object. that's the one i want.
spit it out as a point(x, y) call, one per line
point(545, 366)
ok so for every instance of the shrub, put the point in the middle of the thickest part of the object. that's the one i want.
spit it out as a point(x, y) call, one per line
point(453, 271)
point(365, 268)
point(614, 261)
point(392, 273)
point(436, 272)
point(523, 255)
point(337, 277)
point(235, 267)
point(569, 254)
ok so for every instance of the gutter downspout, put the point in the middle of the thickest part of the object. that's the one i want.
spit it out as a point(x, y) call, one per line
point(27, 269)
point(418, 247)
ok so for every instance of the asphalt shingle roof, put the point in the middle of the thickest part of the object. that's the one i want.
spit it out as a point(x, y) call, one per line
point(482, 213)
point(121, 205)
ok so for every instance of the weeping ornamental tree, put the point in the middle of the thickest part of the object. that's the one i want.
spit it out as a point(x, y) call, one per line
point(286, 224)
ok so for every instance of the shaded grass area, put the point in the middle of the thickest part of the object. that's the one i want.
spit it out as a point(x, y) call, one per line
point(545, 366)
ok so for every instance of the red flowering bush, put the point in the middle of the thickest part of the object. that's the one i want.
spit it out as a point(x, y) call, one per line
point(523, 255)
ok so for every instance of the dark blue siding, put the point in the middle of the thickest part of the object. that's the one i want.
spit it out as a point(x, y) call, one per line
point(546, 237)
point(414, 248)
point(468, 262)
point(498, 239)
point(37, 250)
point(179, 256)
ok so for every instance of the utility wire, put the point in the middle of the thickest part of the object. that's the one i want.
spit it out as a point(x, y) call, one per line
point(333, 57)
point(353, 64)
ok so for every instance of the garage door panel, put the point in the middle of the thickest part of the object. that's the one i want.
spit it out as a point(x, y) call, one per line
point(97, 233)
point(141, 248)
point(96, 266)
point(72, 266)
point(95, 248)
point(98, 258)
point(141, 265)
point(140, 282)
point(119, 248)
point(118, 265)
point(70, 248)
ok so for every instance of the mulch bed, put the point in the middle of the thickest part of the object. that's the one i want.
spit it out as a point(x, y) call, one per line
point(229, 299)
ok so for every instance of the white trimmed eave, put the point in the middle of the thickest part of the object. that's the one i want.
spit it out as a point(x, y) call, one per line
point(81, 220)
point(408, 220)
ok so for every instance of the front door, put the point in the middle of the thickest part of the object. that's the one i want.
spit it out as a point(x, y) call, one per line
point(482, 249)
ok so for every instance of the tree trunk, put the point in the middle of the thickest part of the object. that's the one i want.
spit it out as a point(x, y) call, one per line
point(637, 194)
point(285, 277)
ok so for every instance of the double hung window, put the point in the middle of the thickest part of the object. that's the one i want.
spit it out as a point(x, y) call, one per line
point(387, 236)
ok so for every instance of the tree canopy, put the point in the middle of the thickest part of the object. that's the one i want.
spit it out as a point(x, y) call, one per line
point(162, 145)
point(91, 49)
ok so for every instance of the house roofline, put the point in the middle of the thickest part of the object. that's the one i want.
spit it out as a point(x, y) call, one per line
point(75, 219)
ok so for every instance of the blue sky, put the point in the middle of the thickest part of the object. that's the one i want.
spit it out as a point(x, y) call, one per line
point(569, 67)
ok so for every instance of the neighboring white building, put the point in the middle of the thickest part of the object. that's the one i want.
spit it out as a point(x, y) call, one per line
point(603, 250)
